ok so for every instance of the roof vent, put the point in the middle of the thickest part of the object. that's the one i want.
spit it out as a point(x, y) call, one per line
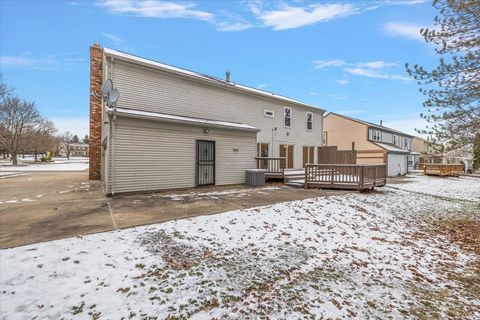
point(381, 123)
point(227, 76)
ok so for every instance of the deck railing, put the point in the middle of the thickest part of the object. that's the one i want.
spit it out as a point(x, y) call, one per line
point(345, 176)
point(443, 169)
point(272, 166)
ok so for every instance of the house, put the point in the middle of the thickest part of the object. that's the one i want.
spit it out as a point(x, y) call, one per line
point(373, 143)
point(75, 149)
point(78, 149)
point(426, 152)
point(175, 128)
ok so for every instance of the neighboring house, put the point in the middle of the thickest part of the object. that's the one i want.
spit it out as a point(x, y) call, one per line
point(76, 149)
point(174, 128)
point(427, 152)
point(374, 143)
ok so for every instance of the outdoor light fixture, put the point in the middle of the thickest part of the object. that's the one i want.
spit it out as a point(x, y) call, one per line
point(205, 130)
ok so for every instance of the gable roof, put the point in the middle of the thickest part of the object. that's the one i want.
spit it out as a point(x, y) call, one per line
point(204, 78)
point(371, 124)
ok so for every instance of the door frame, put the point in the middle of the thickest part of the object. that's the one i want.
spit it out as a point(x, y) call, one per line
point(287, 158)
point(197, 162)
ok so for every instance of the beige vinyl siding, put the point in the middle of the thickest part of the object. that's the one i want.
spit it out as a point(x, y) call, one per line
point(147, 89)
point(152, 155)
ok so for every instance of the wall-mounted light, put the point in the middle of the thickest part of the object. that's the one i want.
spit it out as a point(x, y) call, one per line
point(205, 130)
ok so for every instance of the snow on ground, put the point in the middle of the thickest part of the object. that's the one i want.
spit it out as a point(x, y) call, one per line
point(237, 193)
point(464, 187)
point(359, 255)
point(58, 164)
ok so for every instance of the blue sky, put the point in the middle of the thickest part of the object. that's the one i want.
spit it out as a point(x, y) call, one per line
point(343, 56)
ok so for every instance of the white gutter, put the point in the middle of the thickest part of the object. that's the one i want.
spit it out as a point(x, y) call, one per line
point(181, 119)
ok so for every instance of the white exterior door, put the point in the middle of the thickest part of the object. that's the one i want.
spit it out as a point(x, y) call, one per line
point(397, 164)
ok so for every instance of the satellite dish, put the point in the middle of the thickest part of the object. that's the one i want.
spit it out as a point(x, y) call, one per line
point(107, 88)
point(113, 96)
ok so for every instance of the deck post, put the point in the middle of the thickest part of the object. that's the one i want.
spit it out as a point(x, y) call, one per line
point(305, 185)
point(362, 176)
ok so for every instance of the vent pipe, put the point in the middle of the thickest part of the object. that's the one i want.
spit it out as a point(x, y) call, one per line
point(381, 123)
point(227, 76)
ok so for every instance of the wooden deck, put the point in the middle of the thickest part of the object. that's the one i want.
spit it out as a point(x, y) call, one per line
point(443, 169)
point(345, 176)
point(326, 176)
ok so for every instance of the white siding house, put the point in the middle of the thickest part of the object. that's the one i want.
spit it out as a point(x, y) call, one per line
point(174, 128)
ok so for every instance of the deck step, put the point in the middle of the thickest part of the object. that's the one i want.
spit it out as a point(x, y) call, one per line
point(295, 184)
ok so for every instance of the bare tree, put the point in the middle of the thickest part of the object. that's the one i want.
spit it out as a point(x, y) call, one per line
point(66, 139)
point(41, 137)
point(16, 118)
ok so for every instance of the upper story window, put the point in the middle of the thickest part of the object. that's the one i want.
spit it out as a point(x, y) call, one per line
point(309, 120)
point(287, 117)
point(268, 113)
point(324, 138)
point(376, 135)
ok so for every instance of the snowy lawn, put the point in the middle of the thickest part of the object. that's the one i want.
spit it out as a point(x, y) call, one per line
point(58, 164)
point(385, 254)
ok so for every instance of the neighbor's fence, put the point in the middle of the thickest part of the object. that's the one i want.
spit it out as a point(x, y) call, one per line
point(345, 176)
point(331, 155)
point(443, 169)
point(273, 166)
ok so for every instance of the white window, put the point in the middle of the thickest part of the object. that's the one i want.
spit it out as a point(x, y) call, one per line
point(268, 113)
point(377, 135)
point(287, 117)
point(309, 120)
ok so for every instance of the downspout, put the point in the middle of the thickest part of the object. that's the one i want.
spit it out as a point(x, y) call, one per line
point(113, 119)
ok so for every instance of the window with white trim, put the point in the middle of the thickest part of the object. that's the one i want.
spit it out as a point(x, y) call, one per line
point(268, 113)
point(377, 135)
point(309, 120)
point(287, 116)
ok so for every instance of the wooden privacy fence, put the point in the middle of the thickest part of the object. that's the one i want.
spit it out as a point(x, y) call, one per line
point(274, 167)
point(443, 169)
point(345, 176)
point(331, 155)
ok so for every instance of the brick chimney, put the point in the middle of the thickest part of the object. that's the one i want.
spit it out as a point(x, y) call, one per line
point(95, 143)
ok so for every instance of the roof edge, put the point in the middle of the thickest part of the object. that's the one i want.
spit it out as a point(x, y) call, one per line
point(139, 114)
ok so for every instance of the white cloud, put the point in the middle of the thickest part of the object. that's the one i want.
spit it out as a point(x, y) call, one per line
point(338, 96)
point(118, 42)
point(78, 126)
point(264, 85)
point(406, 30)
point(406, 2)
point(287, 17)
point(320, 64)
point(156, 9)
point(228, 26)
point(314, 93)
point(377, 64)
point(375, 73)
point(342, 82)
point(370, 69)
point(47, 63)
point(407, 125)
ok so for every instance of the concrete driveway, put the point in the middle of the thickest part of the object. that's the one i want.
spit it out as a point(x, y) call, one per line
point(43, 206)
